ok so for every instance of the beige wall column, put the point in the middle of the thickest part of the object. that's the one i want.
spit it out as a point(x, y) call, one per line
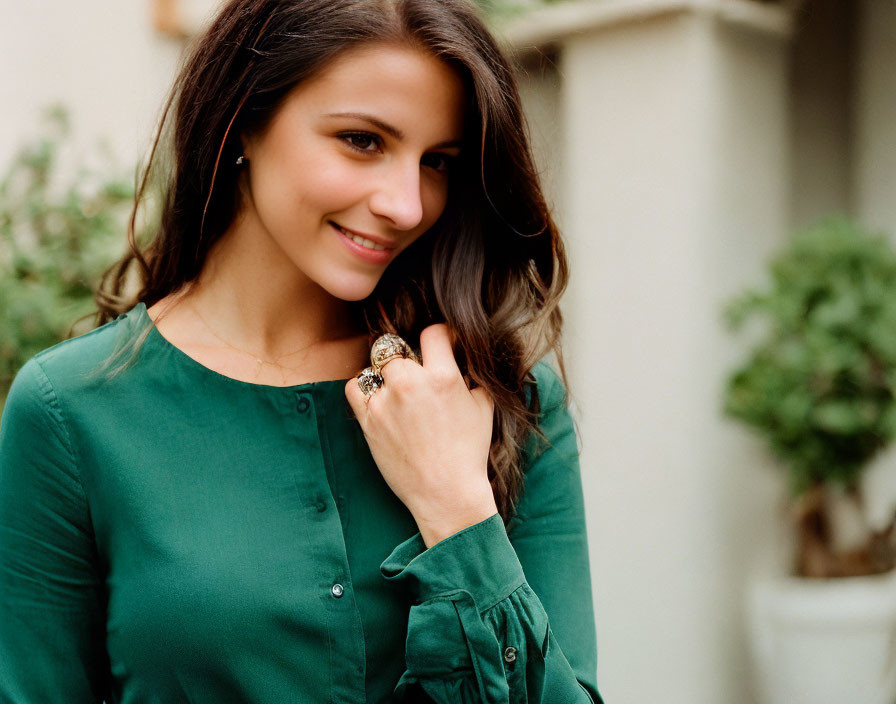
point(104, 61)
point(675, 185)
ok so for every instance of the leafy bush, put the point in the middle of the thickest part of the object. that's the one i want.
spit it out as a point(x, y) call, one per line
point(55, 242)
point(819, 384)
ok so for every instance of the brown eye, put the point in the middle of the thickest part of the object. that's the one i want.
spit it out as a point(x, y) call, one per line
point(362, 141)
point(438, 161)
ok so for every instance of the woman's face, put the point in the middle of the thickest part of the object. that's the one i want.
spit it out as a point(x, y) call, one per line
point(355, 165)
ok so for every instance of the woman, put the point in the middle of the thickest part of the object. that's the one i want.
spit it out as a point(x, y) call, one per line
point(201, 500)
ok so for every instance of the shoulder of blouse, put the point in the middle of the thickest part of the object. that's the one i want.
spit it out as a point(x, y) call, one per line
point(553, 420)
point(551, 391)
point(76, 363)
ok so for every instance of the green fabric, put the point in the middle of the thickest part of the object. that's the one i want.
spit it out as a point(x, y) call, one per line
point(174, 535)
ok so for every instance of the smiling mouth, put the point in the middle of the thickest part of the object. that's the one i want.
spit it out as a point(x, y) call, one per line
point(357, 239)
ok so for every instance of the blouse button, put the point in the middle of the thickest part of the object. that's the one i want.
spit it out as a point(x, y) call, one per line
point(337, 590)
point(320, 506)
point(509, 654)
point(303, 405)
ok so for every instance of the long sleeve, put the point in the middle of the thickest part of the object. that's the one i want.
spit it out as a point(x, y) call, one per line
point(506, 615)
point(51, 626)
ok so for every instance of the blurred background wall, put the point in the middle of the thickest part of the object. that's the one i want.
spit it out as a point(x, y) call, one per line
point(681, 141)
point(106, 61)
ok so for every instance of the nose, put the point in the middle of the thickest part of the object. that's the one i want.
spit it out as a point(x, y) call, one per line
point(398, 197)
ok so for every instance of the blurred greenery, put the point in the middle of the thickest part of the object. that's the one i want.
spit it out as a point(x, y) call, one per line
point(55, 242)
point(819, 384)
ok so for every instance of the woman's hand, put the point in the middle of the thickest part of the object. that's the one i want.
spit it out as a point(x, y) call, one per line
point(430, 437)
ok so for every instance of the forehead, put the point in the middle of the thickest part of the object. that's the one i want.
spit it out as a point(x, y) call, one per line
point(402, 85)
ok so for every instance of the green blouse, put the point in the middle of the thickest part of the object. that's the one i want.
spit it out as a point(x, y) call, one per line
point(174, 535)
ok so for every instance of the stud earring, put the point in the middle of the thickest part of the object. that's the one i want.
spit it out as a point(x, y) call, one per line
point(240, 160)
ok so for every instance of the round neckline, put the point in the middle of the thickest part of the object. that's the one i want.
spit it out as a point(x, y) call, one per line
point(155, 333)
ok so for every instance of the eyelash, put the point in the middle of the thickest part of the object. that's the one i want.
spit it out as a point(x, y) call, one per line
point(347, 137)
point(448, 160)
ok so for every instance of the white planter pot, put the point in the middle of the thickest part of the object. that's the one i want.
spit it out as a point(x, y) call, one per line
point(825, 641)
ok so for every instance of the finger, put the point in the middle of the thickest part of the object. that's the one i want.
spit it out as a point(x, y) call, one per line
point(397, 368)
point(356, 400)
point(437, 351)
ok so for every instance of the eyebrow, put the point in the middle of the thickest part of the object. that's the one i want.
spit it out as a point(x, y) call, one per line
point(389, 129)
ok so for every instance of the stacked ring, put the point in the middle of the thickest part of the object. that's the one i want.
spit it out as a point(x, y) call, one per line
point(388, 347)
point(369, 381)
point(385, 348)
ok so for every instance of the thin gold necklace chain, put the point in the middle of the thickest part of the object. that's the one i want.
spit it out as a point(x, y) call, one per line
point(254, 356)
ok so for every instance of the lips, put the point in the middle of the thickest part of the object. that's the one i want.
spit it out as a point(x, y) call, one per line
point(376, 239)
point(379, 257)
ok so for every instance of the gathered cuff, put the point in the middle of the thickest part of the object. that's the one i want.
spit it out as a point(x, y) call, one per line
point(478, 559)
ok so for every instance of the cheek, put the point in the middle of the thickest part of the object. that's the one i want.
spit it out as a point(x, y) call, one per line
point(329, 183)
point(302, 172)
point(303, 192)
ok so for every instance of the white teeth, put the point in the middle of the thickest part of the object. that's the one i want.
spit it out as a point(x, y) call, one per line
point(360, 240)
point(364, 243)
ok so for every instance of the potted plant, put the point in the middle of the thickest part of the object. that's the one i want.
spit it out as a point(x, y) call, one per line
point(819, 385)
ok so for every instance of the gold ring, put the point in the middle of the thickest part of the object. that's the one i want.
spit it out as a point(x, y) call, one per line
point(383, 362)
point(388, 347)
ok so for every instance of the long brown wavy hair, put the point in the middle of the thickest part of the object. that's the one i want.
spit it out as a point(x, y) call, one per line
point(492, 267)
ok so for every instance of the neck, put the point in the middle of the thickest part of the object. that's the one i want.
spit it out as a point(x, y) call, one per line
point(259, 300)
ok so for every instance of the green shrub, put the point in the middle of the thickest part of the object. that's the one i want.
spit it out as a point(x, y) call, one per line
point(819, 383)
point(55, 242)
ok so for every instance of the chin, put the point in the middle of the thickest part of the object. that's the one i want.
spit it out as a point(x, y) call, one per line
point(352, 291)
